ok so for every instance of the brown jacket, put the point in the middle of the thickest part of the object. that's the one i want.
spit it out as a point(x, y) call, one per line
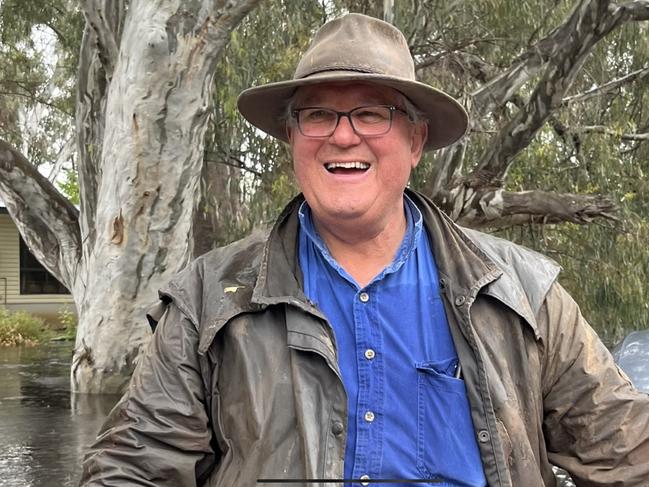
point(241, 380)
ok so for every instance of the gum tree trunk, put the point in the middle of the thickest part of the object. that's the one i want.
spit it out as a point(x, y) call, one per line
point(145, 79)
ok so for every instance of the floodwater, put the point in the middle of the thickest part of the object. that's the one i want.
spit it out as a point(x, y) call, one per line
point(44, 429)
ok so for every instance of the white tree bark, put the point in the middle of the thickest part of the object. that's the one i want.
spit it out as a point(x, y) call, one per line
point(153, 140)
point(144, 87)
point(47, 221)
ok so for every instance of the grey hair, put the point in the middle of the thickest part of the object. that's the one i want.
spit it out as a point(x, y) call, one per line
point(415, 115)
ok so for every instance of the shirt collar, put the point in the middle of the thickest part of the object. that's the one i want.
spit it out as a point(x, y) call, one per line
point(411, 239)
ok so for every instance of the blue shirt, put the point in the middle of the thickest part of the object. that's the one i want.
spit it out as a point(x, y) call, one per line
point(408, 416)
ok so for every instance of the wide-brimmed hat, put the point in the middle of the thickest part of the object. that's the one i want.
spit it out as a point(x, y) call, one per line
point(358, 48)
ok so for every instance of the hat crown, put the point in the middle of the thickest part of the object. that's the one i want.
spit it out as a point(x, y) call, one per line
point(356, 48)
point(359, 43)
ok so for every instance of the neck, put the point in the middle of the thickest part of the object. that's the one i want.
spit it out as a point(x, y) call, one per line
point(363, 250)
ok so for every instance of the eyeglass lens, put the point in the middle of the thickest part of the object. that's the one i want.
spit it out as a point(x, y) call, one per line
point(322, 122)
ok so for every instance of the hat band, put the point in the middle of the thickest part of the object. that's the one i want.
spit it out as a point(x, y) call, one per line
point(353, 69)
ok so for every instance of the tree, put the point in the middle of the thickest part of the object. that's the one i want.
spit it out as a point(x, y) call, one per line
point(144, 83)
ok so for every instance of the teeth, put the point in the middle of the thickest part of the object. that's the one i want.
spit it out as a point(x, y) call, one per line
point(347, 165)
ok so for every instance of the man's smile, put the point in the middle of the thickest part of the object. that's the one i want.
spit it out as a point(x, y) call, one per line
point(346, 167)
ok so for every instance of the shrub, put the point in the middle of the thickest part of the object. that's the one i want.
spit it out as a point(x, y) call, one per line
point(68, 321)
point(21, 328)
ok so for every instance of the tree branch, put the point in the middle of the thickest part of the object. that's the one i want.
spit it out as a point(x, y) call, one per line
point(90, 112)
point(590, 22)
point(97, 58)
point(98, 17)
point(637, 10)
point(499, 90)
point(36, 99)
point(236, 163)
point(65, 154)
point(457, 50)
point(607, 87)
point(447, 167)
point(47, 221)
point(497, 208)
point(601, 129)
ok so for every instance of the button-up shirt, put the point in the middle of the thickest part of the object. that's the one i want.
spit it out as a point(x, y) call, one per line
point(408, 415)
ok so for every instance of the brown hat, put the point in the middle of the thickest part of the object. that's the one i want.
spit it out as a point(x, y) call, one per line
point(351, 48)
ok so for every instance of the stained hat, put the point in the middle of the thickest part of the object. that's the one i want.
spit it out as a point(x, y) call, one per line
point(358, 48)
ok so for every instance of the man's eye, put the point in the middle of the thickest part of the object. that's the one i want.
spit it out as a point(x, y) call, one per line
point(317, 115)
point(371, 115)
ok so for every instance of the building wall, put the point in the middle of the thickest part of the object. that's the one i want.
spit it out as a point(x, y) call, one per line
point(46, 305)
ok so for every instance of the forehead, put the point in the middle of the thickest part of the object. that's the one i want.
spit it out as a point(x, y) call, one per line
point(332, 94)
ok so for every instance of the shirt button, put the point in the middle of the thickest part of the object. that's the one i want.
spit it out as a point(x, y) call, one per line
point(369, 354)
point(337, 428)
point(369, 416)
point(364, 297)
point(459, 301)
point(483, 436)
point(365, 477)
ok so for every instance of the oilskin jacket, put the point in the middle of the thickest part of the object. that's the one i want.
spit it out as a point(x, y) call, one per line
point(241, 380)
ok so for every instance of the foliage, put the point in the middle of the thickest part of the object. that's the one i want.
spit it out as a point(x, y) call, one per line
point(605, 268)
point(39, 47)
point(20, 328)
point(253, 170)
point(68, 321)
point(70, 186)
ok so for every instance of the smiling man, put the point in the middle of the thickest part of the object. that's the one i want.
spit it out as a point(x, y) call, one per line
point(367, 337)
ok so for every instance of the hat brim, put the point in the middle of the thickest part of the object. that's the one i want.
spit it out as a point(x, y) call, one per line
point(264, 106)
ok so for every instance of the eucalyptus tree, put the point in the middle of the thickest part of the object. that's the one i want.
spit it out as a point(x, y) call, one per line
point(143, 90)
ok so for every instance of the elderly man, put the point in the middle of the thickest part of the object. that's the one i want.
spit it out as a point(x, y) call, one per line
point(367, 337)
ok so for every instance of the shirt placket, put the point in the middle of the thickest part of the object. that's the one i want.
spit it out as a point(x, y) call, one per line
point(369, 360)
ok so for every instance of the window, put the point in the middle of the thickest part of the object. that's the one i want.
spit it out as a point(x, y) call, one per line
point(34, 278)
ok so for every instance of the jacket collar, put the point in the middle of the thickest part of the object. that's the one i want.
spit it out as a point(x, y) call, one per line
point(280, 278)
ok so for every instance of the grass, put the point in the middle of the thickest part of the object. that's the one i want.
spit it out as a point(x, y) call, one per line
point(19, 328)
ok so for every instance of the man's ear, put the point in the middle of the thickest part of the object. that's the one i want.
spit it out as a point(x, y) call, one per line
point(418, 141)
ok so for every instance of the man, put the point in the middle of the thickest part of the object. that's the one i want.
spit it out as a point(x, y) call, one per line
point(367, 337)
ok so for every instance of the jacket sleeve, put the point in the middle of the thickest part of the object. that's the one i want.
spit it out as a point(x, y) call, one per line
point(158, 434)
point(596, 423)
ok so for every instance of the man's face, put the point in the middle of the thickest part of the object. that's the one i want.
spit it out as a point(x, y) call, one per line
point(366, 194)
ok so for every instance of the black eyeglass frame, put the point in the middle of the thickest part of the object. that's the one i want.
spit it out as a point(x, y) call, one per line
point(296, 112)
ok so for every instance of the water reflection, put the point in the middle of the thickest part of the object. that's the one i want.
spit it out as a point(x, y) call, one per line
point(44, 429)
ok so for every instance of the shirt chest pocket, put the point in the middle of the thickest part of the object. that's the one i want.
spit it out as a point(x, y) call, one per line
point(446, 445)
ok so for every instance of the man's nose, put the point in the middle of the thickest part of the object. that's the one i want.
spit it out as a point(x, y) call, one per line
point(344, 133)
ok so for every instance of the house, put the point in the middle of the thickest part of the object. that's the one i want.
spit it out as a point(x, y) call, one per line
point(24, 283)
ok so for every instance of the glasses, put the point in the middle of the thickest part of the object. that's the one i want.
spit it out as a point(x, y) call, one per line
point(369, 121)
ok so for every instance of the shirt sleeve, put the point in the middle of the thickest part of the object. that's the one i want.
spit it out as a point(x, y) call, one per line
point(596, 423)
point(158, 434)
